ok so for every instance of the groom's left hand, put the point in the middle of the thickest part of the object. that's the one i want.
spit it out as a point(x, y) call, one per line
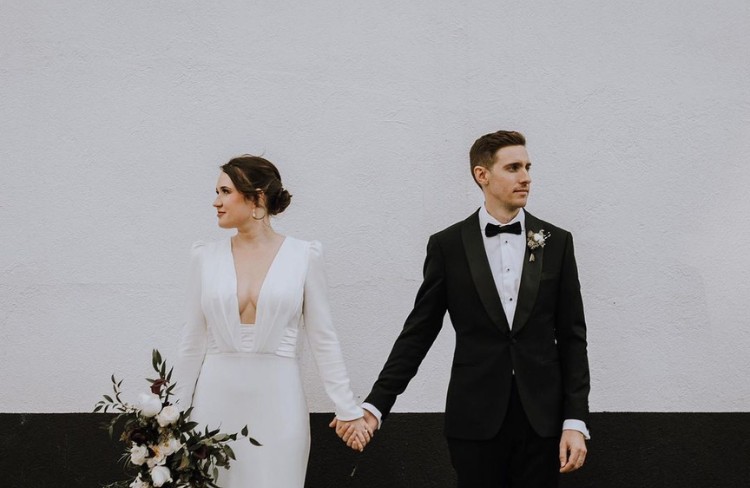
point(572, 451)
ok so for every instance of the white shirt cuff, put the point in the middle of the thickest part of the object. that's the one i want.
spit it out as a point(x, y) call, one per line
point(374, 410)
point(572, 424)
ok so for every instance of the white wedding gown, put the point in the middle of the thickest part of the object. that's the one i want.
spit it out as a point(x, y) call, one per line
point(238, 374)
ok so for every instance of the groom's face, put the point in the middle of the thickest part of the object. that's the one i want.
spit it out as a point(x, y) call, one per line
point(507, 182)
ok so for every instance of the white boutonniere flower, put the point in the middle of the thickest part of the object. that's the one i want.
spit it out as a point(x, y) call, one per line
point(536, 240)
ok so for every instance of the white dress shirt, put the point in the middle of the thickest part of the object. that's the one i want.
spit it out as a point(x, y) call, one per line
point(505, 253)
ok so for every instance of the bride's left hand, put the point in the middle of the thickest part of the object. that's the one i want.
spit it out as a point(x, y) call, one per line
point(356, 433)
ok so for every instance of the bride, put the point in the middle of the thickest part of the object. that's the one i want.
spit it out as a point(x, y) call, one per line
point(248, 296)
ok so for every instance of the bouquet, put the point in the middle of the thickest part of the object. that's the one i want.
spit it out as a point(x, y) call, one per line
point(163, 447)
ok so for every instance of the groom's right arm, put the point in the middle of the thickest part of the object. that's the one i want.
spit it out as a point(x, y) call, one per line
point(419, 332)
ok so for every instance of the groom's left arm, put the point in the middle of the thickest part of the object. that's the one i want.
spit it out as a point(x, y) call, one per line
point(570, 328)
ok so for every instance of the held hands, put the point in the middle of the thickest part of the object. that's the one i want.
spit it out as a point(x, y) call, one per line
point(356, 433)
point(572, 451)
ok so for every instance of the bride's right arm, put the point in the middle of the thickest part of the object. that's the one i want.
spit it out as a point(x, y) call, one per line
point(192, 347)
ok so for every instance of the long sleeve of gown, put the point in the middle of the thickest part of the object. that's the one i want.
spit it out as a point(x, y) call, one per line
point(192, 345)
point(323, 340)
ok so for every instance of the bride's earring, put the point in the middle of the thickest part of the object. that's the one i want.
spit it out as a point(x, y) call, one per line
point(255, 217)
point(257, 200)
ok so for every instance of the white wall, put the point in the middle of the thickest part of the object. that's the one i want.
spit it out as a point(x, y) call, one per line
point(116, 115)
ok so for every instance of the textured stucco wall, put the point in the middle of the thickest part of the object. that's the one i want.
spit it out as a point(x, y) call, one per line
point(115, 116)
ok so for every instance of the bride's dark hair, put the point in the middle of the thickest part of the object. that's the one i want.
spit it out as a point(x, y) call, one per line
point(252, 175)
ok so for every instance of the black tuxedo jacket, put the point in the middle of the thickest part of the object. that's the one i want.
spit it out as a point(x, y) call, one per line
point(546, 345)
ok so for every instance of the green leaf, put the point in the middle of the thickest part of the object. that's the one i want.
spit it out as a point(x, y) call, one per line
point(254, 442)
point(157, 359)
point(244, 431)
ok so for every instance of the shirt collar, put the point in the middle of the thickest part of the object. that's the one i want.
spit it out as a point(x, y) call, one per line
point(485, 218)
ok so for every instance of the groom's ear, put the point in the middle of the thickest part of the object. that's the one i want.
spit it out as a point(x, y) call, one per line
point(480, 175)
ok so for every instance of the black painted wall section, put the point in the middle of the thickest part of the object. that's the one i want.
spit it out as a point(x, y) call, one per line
point(706, 450)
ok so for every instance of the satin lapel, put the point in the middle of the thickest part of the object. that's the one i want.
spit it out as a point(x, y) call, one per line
point(530, 276)
point(480, 271)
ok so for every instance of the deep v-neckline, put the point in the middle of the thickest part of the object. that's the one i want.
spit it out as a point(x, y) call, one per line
point(238, 312)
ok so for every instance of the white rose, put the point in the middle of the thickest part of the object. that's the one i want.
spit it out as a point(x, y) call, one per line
point(138, 454)
point(139, 483)
point(149, 404)
point(160, 475)
point(168, 415)
point(537, 237)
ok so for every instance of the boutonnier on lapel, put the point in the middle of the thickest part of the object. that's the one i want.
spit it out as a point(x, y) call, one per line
point(535, 240)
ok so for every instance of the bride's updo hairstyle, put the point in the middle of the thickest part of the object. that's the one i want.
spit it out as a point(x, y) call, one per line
point(252, 175)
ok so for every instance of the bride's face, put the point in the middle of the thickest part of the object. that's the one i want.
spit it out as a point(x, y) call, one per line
point(232, 209)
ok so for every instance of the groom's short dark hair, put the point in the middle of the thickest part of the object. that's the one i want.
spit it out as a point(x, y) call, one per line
point(482, 152)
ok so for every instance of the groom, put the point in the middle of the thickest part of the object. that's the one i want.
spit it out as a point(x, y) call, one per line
point(517, 402)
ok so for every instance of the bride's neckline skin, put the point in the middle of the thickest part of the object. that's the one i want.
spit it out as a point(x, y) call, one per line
point(261, 241)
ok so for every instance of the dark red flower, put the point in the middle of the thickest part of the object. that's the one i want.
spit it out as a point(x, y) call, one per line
point(138, 436)
point(201, 452)
point(157, 385)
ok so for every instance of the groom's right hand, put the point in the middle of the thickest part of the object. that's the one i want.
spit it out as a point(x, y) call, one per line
point(355, 433)
point(372, 421)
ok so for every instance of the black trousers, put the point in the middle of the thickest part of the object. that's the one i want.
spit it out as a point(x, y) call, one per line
point(517, 457)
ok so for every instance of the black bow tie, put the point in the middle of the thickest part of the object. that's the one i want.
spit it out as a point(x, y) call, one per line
point(491, 230)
